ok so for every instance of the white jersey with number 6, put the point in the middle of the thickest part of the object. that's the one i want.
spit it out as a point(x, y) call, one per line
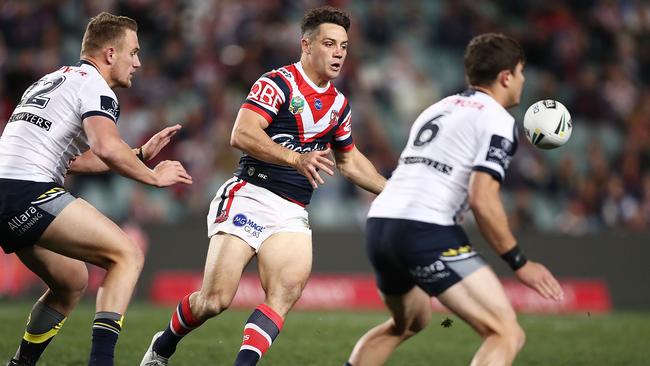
point(45, 130)
point(450, 139)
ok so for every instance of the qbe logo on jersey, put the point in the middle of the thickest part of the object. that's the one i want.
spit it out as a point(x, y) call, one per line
point(250, 227)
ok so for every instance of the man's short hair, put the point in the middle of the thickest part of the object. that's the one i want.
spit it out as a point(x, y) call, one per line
point(324, 14)
point(488, 54)
point(103, 29)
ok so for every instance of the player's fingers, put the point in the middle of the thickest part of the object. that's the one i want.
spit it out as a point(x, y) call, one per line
point(551, 290)
point(311, 180)
point(316, 176)
point(172, 129)
point(324, 152)
point(325, 168)
point(183, 172)
point(543, 290)
point(325, 160)
point(555, 289)
point(185, 180)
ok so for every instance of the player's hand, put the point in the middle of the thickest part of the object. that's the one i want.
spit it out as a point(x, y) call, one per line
point(309, 163)
point(158, 141)
point(170, 172)
point(539, 278)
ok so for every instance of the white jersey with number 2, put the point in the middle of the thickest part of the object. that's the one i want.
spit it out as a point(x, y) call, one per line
point(459, 134)
point(45, 130)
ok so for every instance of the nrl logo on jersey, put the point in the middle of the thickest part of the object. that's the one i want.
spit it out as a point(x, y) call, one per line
point(297, 105)
point(110, 106)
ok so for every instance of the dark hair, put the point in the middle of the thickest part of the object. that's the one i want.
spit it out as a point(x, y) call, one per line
point(325, 14)
point(488, 54)
point(103, 29)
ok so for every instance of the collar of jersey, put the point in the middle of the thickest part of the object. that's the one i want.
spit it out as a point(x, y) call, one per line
point(308, 80)
point(84, 62)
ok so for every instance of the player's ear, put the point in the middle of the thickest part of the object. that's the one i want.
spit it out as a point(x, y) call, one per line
point(109, 54)
point(305, 45)
point(504, 78)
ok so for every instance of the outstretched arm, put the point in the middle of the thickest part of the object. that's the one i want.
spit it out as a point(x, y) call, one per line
point(107, 145)
point(490, 215)
point(248, 136)
point(356, 167)
point(89, 163)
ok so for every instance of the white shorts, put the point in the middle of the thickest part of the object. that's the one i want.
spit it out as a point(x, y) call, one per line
point(254, 213)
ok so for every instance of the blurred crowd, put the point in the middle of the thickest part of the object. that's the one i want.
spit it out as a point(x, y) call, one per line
point(201, 57)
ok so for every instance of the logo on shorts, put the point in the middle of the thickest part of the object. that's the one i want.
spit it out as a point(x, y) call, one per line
point(239, 220)
point(433, 272)
point(251, 227)
point(456, 254)
point(21, 223)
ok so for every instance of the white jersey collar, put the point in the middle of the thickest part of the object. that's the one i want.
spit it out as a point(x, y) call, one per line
point(308, 80)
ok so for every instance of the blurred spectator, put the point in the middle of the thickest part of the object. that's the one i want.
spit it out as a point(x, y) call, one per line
point(200, 58)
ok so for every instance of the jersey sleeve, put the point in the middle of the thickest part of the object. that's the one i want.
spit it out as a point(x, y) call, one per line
point(97, 99)
point(343, 134)
point(497, 146)
point(267, 95)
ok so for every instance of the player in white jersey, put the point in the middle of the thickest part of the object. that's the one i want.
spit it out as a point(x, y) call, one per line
point(456, 158)
point(66, 123)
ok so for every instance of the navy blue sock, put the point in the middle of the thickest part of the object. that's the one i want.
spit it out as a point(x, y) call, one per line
point(106, 329)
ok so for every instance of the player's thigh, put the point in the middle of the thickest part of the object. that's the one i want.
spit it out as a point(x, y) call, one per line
point(410, 311)
point(284, 261)
point(80, 231)
point(481, 301)
point(60, 273)
point(227, 257)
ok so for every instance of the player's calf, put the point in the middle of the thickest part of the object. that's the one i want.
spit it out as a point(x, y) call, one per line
point(44, 323)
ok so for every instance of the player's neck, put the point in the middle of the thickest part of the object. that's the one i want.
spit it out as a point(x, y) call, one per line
point(312, 74)
point(103, 71)
point(498, 95)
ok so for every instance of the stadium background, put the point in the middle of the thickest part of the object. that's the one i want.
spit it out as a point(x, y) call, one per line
point(583, 209)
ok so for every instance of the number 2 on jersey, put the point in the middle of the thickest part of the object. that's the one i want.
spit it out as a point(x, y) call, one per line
point(34, 95)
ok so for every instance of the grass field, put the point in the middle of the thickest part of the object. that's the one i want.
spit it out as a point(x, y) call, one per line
point(326, 338)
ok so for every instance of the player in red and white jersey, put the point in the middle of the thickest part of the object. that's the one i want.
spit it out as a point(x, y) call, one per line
point(302, 117)
point(456, 157)
point(291, 121)
point(64, 124)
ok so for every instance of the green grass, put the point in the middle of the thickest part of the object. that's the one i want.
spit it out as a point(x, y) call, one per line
point(326, 338)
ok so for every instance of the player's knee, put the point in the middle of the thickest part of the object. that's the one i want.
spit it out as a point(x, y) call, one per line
point(412, 326)
point(73, 286)
point(420, 322)
point(512, 333)
point(518, 338)
point(283, 297)
point(129, 256)
point(212, 305)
